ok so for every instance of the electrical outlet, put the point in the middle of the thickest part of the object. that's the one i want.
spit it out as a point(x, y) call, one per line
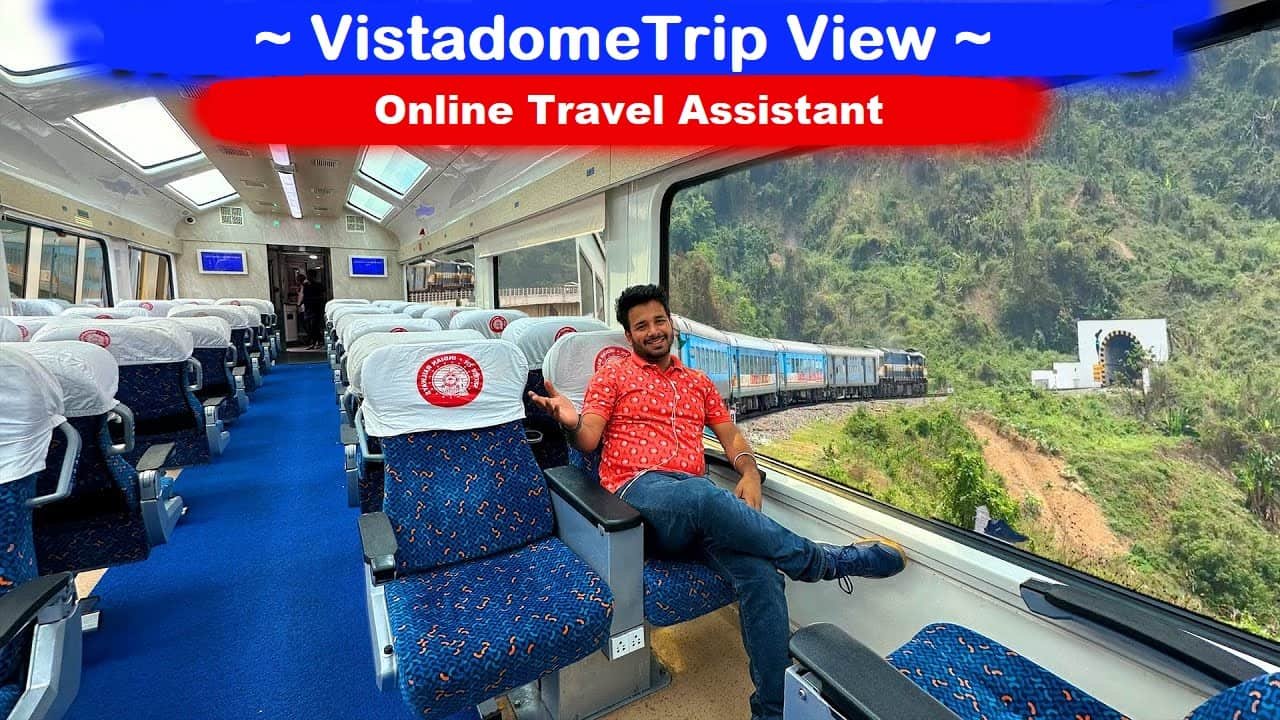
point(627, 642)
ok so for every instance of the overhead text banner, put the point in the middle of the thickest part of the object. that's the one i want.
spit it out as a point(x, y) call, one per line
point(235, 38)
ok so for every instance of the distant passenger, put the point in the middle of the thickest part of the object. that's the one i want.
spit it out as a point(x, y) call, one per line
point(313, 299)
point(649, 410)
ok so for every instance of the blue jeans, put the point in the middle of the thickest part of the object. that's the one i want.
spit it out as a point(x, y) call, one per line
point(690, 514)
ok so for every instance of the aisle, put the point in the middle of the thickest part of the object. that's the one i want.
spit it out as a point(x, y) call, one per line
point(255, 608)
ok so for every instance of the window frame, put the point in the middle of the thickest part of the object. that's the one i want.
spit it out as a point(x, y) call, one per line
point(136, 279)
point(26, 260)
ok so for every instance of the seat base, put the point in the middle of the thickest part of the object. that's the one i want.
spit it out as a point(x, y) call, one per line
point(528, 703)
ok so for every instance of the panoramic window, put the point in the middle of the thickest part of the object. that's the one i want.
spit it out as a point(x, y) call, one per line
point(392, 168)
point(14, 236)
point(368, 203)
point(93, 286)
point(152, 277)
point(448, 276)
point(1072, 349)
point(58, 256)
point(544, 280)
point(141, 130)
point(203, 188)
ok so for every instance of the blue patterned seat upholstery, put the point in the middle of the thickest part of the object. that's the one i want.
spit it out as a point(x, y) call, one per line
point(218, 381)
point(487, 599)
point(242, 339)
point(17, 565)
point(553, 451)
point(371, 480)
point(165, 410)
point(1255, 699)
point(100, 524)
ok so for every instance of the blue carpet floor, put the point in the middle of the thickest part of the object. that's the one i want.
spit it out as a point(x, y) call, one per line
point(255, 608)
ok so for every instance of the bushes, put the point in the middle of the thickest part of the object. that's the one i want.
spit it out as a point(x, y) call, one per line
point(966, 485)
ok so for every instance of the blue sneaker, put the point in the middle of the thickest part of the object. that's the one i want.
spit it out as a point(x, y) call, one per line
point(877, 558)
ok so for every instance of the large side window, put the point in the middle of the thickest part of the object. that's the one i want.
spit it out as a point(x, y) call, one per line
point(93, 285)
point(546, 280)
point(1074, 303)
point(59, 254)
point(449, 276)
point(14, 236)
point(152, 274)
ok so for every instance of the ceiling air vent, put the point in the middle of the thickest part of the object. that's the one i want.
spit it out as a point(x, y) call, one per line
point(323, 163)
point(265, 203)
point(234, 151)
point(355, 223)
point(321, 192)
point(321, 209)
point(232, 215)
point(255, 184)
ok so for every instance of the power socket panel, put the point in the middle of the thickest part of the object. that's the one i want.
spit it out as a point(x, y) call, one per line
point(626, 643)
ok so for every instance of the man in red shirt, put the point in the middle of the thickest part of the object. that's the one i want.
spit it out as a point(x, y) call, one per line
point(649, 410)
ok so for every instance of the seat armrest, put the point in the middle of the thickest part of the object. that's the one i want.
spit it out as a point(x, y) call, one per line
point(857, 682)
point(155, 457)
point(22, 605)
point(379, 543)
point(347, 435)
point(214, 402)
point(584, 494)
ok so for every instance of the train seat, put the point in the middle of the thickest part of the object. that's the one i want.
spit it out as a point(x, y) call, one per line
point(364, 325)
point(340, 312)
point(154, 308)
point(466, 580)
point(36, 308)
point(39, 613)
point(675, 589)
point(29, 325)
point(248, 373)
point(443, 314)
point(364, 454)
point(156, 366)
point(257, 337)
point(948, 671)
point(396, 306)
point(267, 314)
point(115, 512)
point(9, 331)
point(415, 310)
point(96, 313)
point(212, 348)
point(534, 336)
point(490, 323)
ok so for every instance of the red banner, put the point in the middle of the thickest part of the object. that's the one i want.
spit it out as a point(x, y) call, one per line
point(770, 111)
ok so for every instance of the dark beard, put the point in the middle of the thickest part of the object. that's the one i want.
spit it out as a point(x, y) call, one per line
point(651, 355)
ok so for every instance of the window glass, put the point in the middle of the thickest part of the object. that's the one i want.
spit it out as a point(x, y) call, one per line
point(92, 285)
point(141, 130)
point(152, 276)
point(58, 254)
point(541, 280)
point(1074, 303)
point(393, 168)
point(14, 236)
point(449, 276)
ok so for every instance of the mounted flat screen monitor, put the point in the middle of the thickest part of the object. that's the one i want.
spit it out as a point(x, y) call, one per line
point(223, 262)
point(368, 266)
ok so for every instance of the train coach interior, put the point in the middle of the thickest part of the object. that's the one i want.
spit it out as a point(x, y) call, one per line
point(206, 510)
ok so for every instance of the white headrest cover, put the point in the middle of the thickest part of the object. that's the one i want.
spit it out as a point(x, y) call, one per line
point(29, 325)
point(88, 375)
point(414, 310)
point(394, 305)
point(104, 313)
point(251, 314)
point(9, 331)
point(443, 386)
point(365, 324)
point(206, 332)
point(336, 302)
point(363, 346)
point(38, 308)
point(228, 313)
point(131, 343)
point(193, 301)
point(443, 313)
point(345, 310)
point(534, 336)
point(32, 409)
point(344, 323)
point(490, 323)
point(154, 308)
point(262, 306)
point(574, 358)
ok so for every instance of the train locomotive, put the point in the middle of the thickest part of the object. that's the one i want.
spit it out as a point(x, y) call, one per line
point(759, 374)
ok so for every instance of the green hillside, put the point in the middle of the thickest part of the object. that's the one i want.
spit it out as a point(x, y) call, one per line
point(1163, 204)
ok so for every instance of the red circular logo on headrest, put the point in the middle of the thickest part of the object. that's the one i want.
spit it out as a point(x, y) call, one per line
point(609, 354)
point(96, 337)
point(235, 302)
point(565, 331)
point(103, 316)
point(24, 332)
point(398, 329)
point(497, 323)
point(450, 380)
point(147, 306)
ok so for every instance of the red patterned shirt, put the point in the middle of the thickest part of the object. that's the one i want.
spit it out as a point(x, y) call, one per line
point(638, 401)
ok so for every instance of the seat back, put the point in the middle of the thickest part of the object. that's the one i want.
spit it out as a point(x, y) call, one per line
point(461, 482)
point(364, 346)
point(571, 362)
point(361, 325)
point(490, 323)
point(1256, 699)
point(29, 325)
point(36, 308)
point(338, 302)
point(343, 325)
point(395, 306)
point(415, 310)
point(443, 314)
point(92, 313)
point(342, 311)
point(154, 308)
point(266, 311)
point(211, 346)
point(9, 331)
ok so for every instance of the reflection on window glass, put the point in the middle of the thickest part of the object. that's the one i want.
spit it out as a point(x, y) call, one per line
point(151, 273)
point(1101, 311)
point(15, 255)
point(58, 266)
point(93, 286)
point(541, 280)
point(450, 277)
point(588, 287)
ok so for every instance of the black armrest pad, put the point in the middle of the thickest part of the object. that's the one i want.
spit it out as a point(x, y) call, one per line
point(214, 401)
point(379, 543)
point(155, 457)
point(347, 435)
point(238, 372)
point(21, 605)
point(857, 682)
point(585, 495)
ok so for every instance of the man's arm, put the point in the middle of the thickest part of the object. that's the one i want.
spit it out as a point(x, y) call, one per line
point(587, 437)
point(743, 461)
point(584, 429)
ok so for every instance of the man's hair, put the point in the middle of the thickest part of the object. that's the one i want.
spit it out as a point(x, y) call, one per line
point(639, 295)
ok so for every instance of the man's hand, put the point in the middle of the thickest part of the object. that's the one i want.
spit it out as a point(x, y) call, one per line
point(749, 489)
point(557, 406)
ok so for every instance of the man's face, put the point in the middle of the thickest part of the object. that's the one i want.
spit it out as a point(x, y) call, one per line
point(649, 331)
